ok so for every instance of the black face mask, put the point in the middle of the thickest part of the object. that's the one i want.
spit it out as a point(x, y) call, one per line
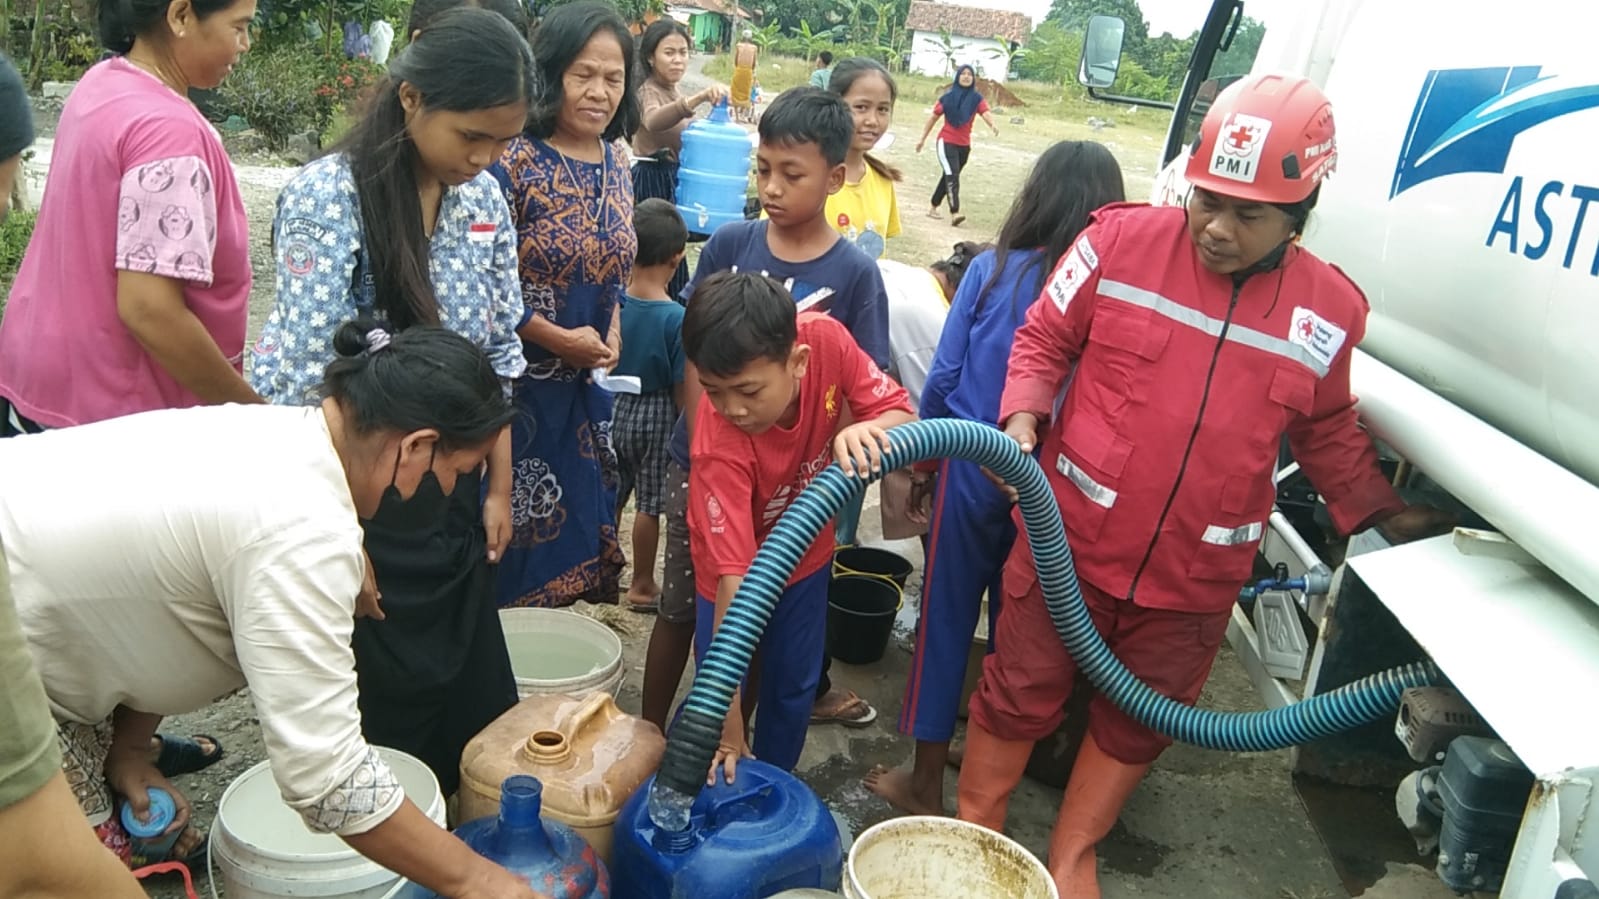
point(425, 507)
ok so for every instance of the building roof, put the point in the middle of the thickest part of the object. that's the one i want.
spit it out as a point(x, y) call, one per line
point(968, 21)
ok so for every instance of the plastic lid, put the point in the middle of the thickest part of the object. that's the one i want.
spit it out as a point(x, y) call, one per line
point(162, 811)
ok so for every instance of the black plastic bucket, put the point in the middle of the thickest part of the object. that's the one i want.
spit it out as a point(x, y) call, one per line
point(860, 617)
point(869, 561)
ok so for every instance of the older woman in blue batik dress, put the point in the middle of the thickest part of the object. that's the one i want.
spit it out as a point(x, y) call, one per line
point(571, 197)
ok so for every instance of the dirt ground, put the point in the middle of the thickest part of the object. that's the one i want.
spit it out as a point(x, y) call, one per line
point(1204, 824)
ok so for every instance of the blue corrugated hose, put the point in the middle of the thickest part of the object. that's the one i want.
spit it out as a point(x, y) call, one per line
point(695, 737)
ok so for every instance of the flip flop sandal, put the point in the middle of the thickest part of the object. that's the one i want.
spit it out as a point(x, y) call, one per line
point(643, 608)
point(956, 221)
point(934, 215)
point(841, 718)
point(183, 755)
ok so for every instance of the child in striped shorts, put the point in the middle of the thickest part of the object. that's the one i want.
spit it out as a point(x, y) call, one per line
point(652, 351)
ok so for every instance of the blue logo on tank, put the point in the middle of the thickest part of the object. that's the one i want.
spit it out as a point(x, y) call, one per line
point(1466, 119)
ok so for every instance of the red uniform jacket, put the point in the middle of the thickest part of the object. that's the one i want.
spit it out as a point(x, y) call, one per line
point(1182, 386)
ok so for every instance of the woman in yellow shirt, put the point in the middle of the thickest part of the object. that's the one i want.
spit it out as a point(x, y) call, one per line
point(865, 209)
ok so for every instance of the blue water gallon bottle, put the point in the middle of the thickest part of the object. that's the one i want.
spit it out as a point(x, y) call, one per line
point(764, 833)
point(552, 856)
point(714, 172)
point(149, 838)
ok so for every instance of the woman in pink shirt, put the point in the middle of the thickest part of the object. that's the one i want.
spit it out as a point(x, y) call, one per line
point(134, 291)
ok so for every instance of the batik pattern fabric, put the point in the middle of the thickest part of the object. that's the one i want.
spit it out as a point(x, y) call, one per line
point(574, 223)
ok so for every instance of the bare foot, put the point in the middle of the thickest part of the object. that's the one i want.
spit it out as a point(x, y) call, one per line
point(187, 843)
point(894, 785)
point(957, 754)
point(646, 596)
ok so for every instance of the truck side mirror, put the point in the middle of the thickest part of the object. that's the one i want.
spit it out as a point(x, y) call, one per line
point(1102, 51)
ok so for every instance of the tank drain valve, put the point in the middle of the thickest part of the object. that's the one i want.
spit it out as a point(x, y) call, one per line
point(1317, 581)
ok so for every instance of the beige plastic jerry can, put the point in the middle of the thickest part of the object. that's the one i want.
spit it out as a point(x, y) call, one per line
point(590, 755)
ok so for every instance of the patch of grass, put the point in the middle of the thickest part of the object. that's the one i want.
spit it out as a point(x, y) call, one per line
point(15, 231)
point(778, 73)
point(775, 73)
point(999, 166)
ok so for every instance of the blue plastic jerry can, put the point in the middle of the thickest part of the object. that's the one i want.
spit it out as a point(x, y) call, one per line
point(713, 172)
point(764, 833)
point(554, 858)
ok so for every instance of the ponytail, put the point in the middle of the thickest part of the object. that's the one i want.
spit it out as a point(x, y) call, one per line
point(892, 173)
point(415, 379)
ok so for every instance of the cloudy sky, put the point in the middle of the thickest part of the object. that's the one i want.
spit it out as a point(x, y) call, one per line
point(1180, 17)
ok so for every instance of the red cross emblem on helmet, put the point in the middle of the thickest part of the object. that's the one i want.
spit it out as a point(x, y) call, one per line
point(1267, 139)
point(1240, 140)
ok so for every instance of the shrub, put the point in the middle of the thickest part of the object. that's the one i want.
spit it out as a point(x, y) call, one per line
point(290, 91)
point(344, 85)
point(15, 231)
point(276, 92)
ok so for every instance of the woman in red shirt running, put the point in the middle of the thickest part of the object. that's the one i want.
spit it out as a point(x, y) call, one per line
point(960, 106)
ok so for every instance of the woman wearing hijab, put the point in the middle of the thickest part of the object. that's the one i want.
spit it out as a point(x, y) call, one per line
point(959, 107)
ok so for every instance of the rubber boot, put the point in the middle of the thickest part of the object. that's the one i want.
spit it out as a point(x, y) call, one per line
point(1094, 797)
point(992, 769)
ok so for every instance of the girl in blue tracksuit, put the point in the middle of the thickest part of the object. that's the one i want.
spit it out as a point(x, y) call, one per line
point(970, 531)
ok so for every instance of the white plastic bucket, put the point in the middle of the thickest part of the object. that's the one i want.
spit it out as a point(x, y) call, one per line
point(263, 850)
point(942, 858)
point(559, 651)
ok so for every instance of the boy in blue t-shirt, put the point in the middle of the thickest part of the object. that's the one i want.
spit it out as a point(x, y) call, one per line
point(652, 351)
point(804, 136)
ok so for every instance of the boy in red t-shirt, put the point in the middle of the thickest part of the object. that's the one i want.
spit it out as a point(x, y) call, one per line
point(777, 382)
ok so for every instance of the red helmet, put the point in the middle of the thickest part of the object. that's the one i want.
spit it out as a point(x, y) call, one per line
point(1266, 138)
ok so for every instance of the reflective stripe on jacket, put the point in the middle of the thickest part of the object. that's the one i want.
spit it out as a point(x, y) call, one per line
point(1183, 383)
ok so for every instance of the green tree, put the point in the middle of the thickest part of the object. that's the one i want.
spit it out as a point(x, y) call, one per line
point(1052, 55)
point(1012, 51)
point(632, 10)
point(947, 49)
point(814, 42)
point(849, 14)
point(1240, 57)
point(789, 14)
point(1166, 57)
point(1133, 81)
point(287, 21)
point(766, 35)
point(1073, 16)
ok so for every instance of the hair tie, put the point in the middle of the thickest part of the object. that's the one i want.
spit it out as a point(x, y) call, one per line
point(377, 340)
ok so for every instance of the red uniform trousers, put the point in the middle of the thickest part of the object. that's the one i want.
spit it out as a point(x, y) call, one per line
point(1028, 678)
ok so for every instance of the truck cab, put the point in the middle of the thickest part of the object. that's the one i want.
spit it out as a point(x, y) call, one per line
point(1460, 205)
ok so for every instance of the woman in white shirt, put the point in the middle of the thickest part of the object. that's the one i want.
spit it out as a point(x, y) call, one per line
point(162, 560)
point(918, 303)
